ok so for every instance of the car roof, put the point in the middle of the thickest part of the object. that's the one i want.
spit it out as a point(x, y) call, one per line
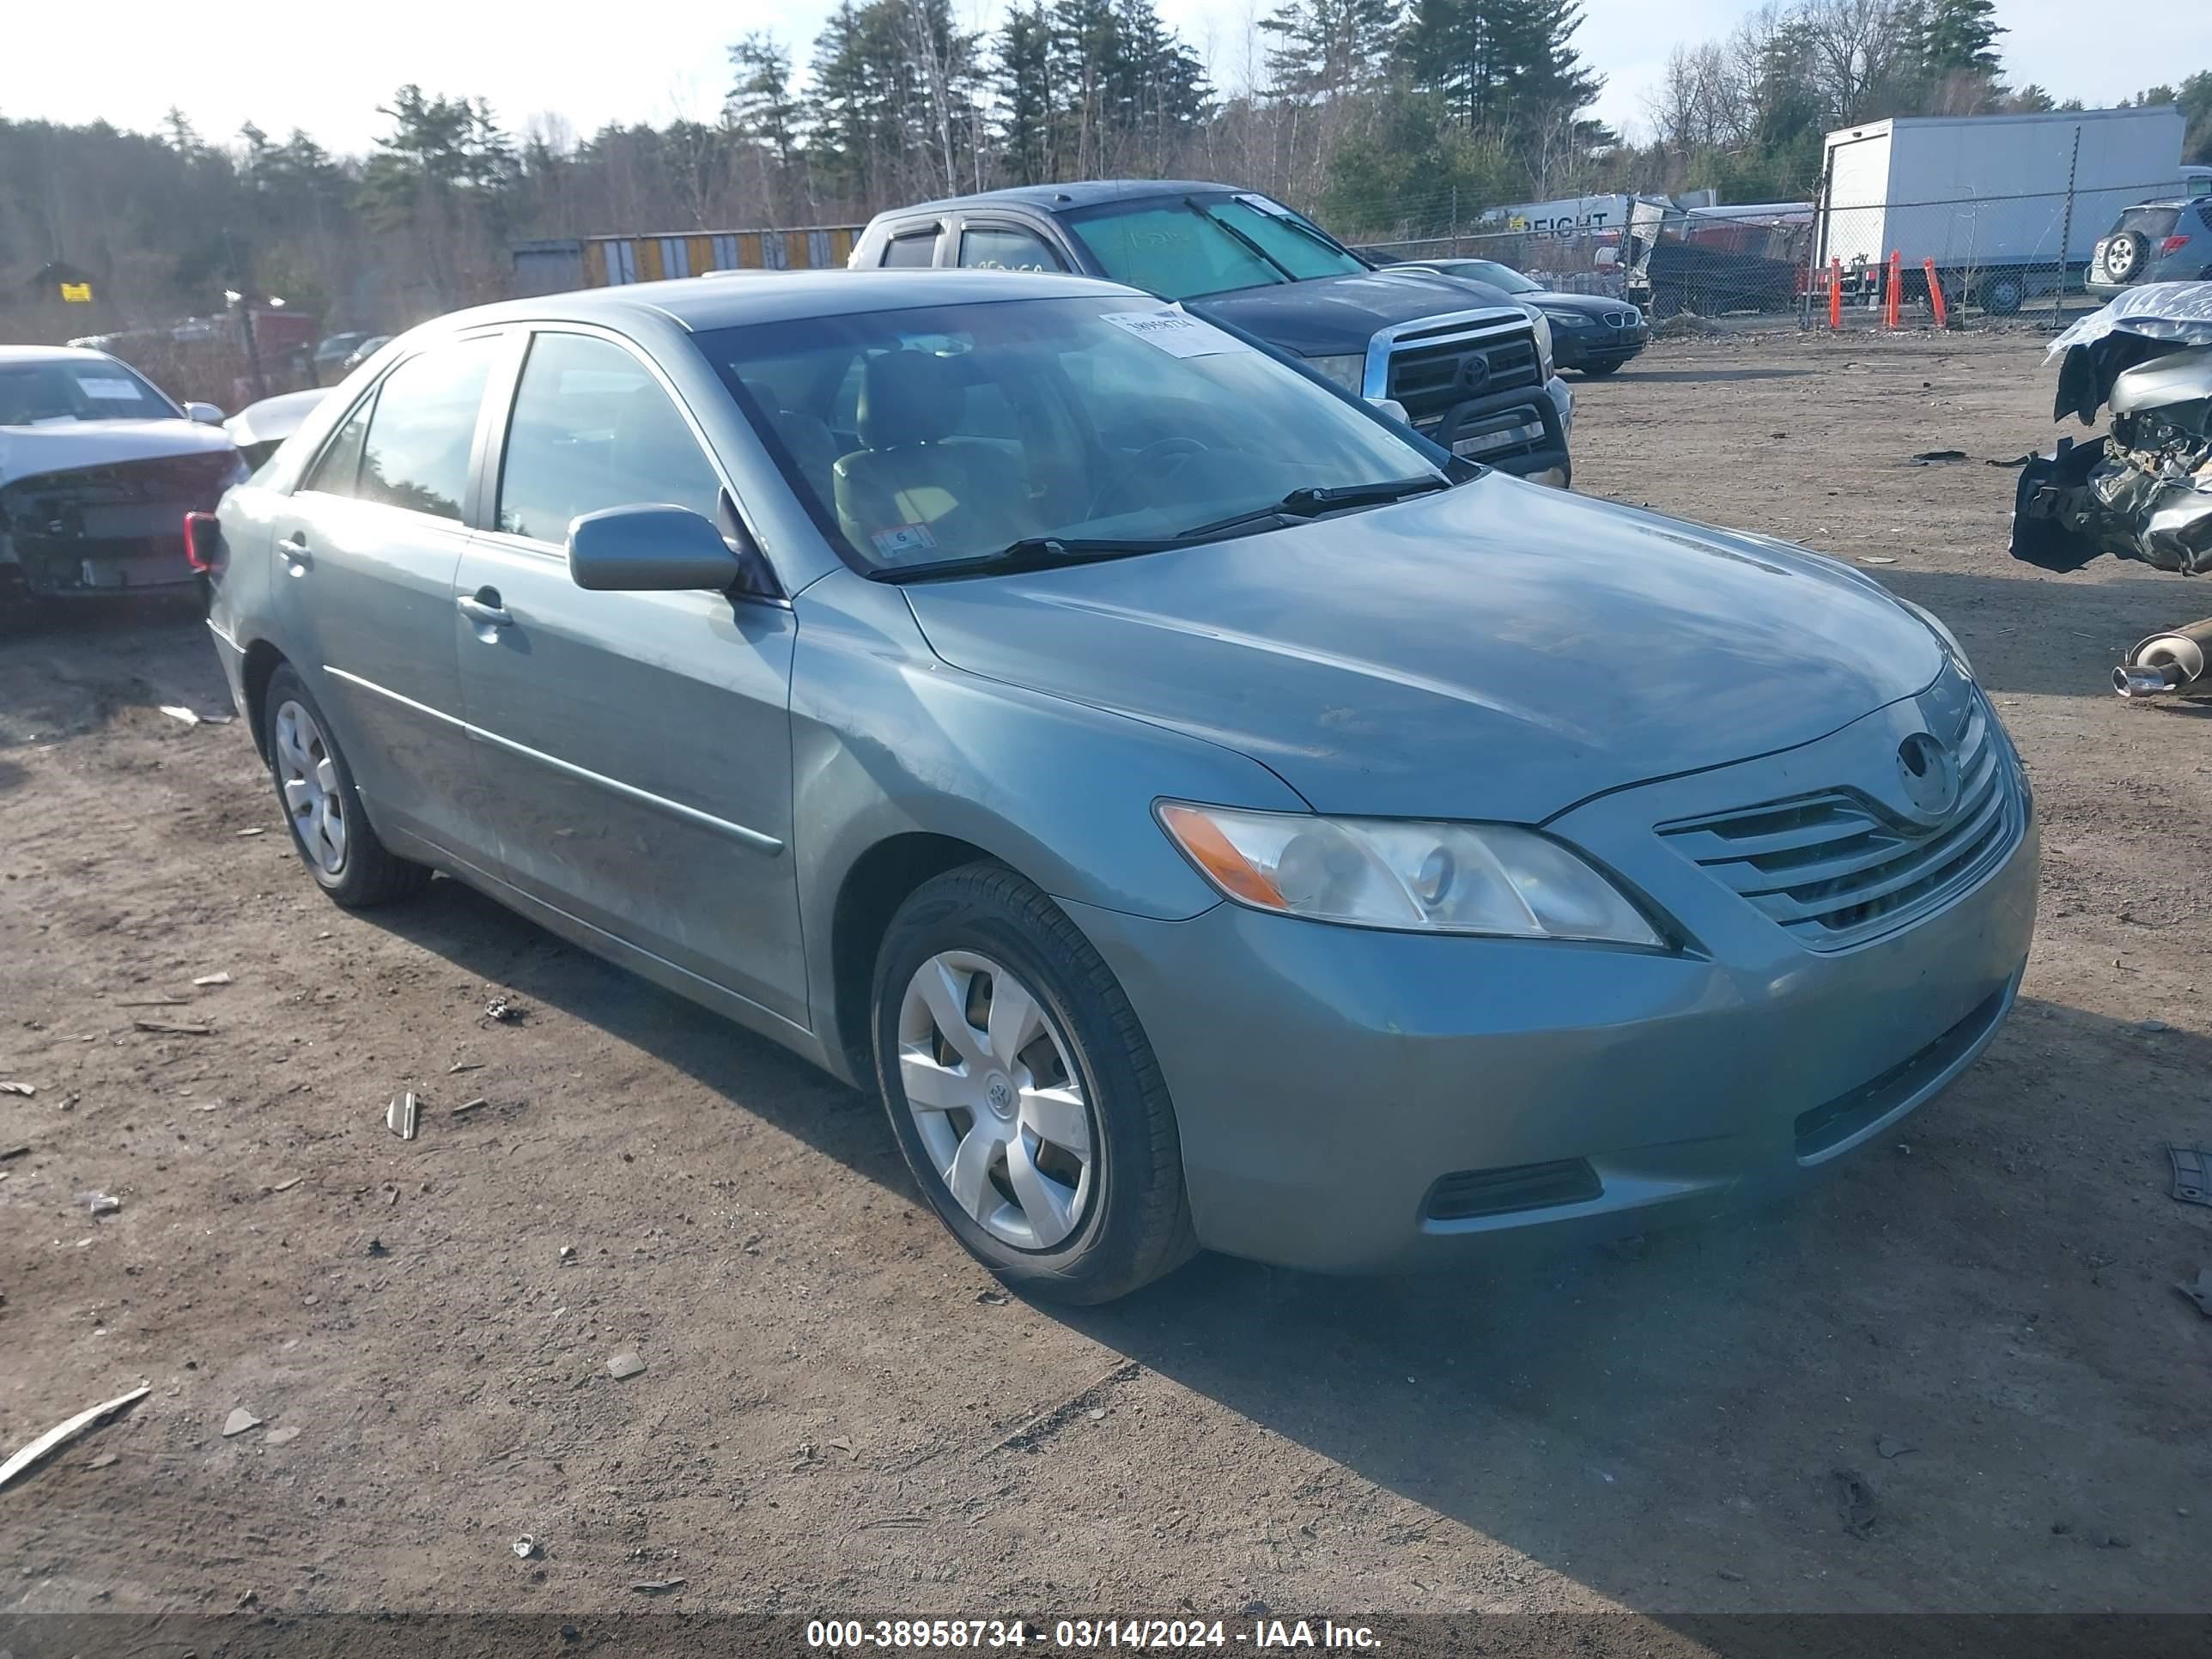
point(734, 300)
point(2164, 201)
point(45, 354)
point(1062, 198)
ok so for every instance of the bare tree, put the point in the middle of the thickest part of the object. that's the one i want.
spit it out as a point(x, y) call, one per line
point(1856, 49)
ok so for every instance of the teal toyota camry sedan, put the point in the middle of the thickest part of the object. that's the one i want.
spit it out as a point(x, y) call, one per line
point(1207, 814)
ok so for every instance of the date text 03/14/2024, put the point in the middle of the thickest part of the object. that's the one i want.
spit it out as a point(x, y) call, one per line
point(981, 1635)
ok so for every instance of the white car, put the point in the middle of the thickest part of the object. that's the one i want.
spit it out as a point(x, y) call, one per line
point(259, 429)
point(98, 469)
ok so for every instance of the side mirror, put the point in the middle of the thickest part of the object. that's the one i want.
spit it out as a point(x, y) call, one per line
point(651, 549)
point(1391, 407)
point(205, 414)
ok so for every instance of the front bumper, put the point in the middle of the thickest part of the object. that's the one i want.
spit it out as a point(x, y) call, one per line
point(1585, 348)
point(1330, 1080)
point(1541, 421)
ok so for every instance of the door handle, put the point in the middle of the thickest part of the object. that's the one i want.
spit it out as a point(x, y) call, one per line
point(293, 547)
point(483, 608)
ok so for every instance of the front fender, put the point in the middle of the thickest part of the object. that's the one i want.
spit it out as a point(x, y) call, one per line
point(888, 740)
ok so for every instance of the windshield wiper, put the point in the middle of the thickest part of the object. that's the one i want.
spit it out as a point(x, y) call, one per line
point(1312, 501)
point(1313, 233)
point(1257, 251)
point(1035, 553)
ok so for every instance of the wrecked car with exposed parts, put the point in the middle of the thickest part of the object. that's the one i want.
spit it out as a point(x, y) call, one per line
point(2144, 490)
point(98, 469)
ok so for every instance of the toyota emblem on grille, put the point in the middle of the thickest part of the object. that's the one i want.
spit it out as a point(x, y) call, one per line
point(1930, 772)
point(1474, 374)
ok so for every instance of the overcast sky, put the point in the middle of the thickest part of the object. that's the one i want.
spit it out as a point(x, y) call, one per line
point(326, 67)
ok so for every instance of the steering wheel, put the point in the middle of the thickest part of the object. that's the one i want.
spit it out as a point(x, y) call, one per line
point(1151, 455)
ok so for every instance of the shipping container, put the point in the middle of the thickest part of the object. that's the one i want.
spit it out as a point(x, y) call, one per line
point(2006, 206)
point(549, 267)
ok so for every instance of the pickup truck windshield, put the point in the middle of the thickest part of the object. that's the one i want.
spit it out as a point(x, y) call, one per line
point(1185, 247)
point(949, 434)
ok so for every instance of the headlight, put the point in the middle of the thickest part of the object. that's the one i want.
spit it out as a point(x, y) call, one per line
point(1400, 873)
point(1567, 319)
point(1349, 372)
point(1543, 328)
point(1936, 627)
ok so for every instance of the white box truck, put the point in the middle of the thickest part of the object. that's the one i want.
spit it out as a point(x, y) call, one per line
point(2005, 205)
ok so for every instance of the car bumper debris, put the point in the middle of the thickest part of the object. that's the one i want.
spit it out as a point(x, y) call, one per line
point(106, 530)
point(2144, 490)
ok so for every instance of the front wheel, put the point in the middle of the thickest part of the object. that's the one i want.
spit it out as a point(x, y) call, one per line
point(1599, 371)
point(2001, 296)
point(1024, 1093)
point(329, 831)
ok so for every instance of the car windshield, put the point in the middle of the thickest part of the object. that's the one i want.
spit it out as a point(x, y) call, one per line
point(1183, 248)
point(2153, 224)
point(1497, 276)
point(950, 435)
point(63, 389)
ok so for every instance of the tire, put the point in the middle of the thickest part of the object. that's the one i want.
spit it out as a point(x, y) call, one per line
point(952, 949)
point(2126, 254)
point(1599, 371)
point(2001, 296)
point(356, 869)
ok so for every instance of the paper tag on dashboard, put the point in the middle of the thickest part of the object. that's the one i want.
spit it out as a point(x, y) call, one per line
point(108, 388)
point(902, 539)
point(1176, 332)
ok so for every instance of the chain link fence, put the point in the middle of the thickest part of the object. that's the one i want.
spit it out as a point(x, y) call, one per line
point(2037, 255)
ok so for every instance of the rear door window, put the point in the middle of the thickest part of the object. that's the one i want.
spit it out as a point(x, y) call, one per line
point(424, 427)
point(337, 471)
point(916, 250)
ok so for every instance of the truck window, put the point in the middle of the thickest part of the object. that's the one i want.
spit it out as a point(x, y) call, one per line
point(1170, 247)
point(1004, 248)
point(917, 250)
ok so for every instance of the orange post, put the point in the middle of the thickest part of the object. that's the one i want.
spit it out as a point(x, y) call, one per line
point(1935, 303)
point(1835, 293)
point(1893, 300)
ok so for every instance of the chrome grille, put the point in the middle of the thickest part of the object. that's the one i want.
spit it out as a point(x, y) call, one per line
point(1838, 868)
point(1425, 372)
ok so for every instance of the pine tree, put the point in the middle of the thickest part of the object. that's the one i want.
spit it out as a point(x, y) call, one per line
point(1957, 37)
point(1028, 94)
point(1502, 62)
point(1325, 47)
point(761, 107)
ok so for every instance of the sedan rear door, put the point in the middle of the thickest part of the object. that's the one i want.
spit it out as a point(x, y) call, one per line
point(366, 550)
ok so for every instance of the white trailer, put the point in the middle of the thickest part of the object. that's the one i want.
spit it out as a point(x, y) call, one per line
point(2005, 205)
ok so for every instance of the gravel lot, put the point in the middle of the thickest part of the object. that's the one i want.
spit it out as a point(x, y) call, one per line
point(831, 1415)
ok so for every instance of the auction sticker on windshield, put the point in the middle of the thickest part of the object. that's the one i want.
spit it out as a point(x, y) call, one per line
point(1176, 332)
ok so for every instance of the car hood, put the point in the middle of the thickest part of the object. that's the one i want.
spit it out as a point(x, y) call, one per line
point(28, 451)
point(1496, 651)
point(1334, 316)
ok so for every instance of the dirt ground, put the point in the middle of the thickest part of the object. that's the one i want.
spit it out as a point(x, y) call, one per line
point(423, 1328)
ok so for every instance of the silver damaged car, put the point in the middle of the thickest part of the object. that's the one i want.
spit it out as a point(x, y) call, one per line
point(1209, 815)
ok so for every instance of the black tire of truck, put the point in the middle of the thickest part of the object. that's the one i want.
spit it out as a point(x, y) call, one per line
point(2001, 296)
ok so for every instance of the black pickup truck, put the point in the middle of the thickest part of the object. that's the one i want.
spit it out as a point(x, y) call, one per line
point(1472, 373)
